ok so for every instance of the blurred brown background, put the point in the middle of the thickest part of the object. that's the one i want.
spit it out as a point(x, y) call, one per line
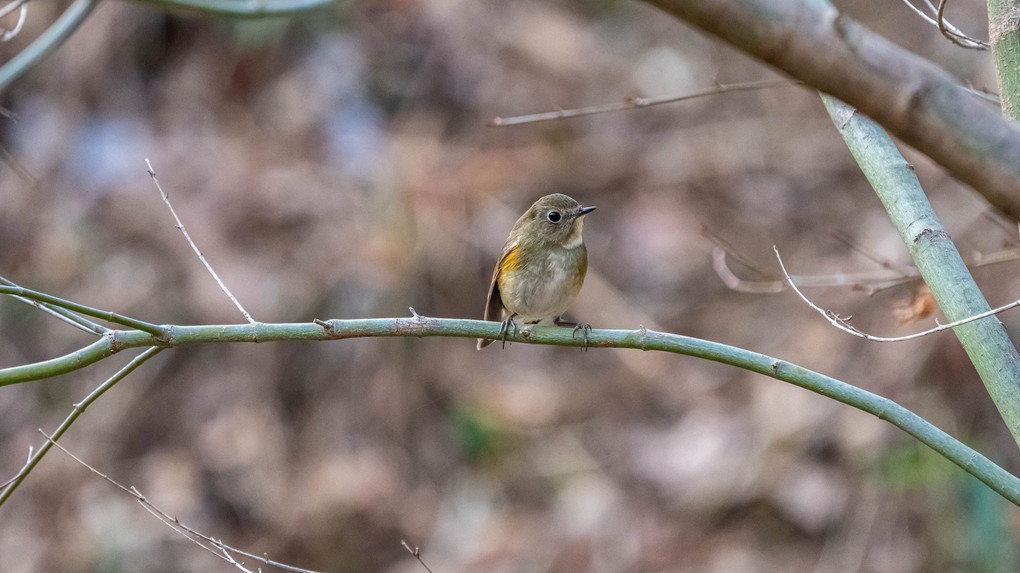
point(338, 166)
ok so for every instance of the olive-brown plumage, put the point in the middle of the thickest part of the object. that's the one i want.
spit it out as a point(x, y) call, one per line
point(542, 266)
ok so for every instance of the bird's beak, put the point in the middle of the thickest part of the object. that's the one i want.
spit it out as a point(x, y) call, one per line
point(584, 211)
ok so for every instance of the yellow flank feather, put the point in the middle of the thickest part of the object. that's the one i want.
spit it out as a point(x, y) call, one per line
point(509, 262)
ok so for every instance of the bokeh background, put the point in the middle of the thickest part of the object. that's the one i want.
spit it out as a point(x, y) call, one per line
point(339, 165)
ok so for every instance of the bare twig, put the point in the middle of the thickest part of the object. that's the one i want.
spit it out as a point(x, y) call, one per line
point(950, 30)
point(843, 323)
point(63, 314)
point(78, 410)
point(860, 249)
point(12, 6)
point(107, 315)
point(23, 12)
point(633, 103)
point(417, 554)
point(218, 548)
point(194, 247)
point(954, 35)
point(1009, 229)
point(20, 170)
point(869, 282)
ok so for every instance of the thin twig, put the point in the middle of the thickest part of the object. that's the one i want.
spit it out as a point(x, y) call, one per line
point(843, 323)
point(107, 315)
point(222, 550)
point(973, 44)
point(1009, 229)
point(194, 247)
point(11, 7)
point(417, 554)
point(633, 103)
point(22, 14)
point(20, 170)
point(869, 281)
point(78, 410)
point(865, 252)
point(63, 314)
point(955, 36)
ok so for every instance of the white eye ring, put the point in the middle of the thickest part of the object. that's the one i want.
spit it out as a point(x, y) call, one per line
point(553, 216)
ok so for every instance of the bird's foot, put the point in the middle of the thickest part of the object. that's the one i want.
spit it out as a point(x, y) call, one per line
point(585, 328)
point(504, 329)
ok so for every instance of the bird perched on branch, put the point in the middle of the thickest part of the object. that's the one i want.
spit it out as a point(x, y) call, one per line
point(541, 268)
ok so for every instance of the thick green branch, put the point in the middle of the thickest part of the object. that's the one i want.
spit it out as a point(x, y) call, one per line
point(941, 266)
point(1004, 34)
point(915, 100)
point(981, 467)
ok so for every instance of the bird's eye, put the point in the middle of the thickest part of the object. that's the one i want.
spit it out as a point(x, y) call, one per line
point(553, 216)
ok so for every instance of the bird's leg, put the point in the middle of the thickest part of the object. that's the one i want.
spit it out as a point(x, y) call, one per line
point(504, 327)
point(584, 327)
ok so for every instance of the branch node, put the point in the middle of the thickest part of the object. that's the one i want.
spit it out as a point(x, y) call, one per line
point(115, 345)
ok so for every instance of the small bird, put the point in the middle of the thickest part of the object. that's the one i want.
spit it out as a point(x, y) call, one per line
point(541, 268)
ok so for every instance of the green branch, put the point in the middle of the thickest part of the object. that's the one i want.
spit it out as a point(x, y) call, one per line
point(60, 313)
point(1004, 35)
point(941, 266)
point(48, 41)
point(86, 310)
point(974, 463)
point(68, 23)
point(240, 8)
point(79, 409)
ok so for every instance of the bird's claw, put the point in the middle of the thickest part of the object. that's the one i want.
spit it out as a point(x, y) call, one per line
point(504, 329)
point(585, 328)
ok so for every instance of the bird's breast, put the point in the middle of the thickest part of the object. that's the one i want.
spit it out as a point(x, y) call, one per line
point(542, 285)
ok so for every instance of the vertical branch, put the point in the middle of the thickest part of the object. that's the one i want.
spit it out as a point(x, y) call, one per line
point(1004, 35)
point(893, 179)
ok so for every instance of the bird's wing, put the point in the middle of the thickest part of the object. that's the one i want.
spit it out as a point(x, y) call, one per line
point(494, 305)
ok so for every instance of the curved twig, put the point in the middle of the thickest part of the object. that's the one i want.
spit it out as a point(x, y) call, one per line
point(844, 323)
point(48, 41)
